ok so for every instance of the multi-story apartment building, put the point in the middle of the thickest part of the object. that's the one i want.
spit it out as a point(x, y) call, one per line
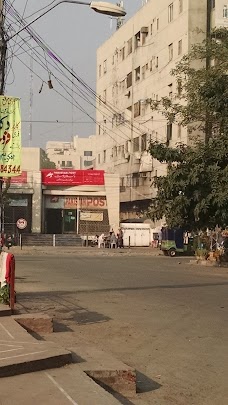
point(78, 154)
point(133, 68)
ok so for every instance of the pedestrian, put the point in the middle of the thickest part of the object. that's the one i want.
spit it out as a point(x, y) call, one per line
point(120, 239)
point(113, 240)
point(101, 241)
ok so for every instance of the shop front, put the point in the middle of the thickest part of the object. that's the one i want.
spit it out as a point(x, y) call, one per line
point(79, 202)
point(76, 214)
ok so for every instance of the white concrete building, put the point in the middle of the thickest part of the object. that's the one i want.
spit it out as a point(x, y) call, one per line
point(133, 68)
point(78, 154)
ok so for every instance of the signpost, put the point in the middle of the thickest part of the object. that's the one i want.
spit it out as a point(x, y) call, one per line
point(21, 224)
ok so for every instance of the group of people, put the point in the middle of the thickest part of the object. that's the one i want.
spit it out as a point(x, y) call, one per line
point(112, 240)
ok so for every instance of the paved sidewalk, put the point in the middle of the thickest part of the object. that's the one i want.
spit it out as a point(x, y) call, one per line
point(88, 251)
point(64, 386)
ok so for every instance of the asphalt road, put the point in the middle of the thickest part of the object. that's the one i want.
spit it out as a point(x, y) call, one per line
point(166, 318)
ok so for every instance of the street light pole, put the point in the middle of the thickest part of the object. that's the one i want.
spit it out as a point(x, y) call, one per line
point(98, 6)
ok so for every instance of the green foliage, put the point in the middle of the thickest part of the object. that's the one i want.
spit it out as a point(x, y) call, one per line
point(45, 162)
point(4, 294)
point(194, 192)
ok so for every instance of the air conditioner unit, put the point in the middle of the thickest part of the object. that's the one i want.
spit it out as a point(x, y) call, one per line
point(144, 175)
point(126, 155)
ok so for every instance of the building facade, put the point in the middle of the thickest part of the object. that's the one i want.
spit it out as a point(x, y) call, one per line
point(133, 68)
point(78, 154)
point(57, 201)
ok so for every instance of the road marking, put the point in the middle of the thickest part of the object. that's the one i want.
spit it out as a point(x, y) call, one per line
point(6, 330)
point(21, 355)
point(61, 389)
point(11, 350)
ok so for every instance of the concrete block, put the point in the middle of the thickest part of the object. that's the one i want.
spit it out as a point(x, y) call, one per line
point(106, 370)
point(20, 353)
point(38, 323)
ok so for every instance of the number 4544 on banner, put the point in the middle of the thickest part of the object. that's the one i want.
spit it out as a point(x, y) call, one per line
point(10, 136)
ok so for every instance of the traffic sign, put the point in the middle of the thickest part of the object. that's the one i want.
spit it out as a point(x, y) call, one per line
point(21, 223)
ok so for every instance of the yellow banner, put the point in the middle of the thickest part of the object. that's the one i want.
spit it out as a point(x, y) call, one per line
point(10, 136)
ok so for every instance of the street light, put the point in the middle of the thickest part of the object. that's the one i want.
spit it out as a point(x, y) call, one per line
point(101, 7)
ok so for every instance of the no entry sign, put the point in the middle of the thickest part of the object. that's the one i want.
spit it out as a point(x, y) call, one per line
point(21, 223)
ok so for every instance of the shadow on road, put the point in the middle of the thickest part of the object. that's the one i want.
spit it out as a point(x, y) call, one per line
point(60, 307)
point(145, 384)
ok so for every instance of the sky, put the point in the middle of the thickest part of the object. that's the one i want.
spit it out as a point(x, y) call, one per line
point(74, 32)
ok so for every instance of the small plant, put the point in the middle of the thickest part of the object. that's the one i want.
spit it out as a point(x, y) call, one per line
point(5, 295)
point(202, 253)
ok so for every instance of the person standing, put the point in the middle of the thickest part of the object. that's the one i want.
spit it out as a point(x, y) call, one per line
point(120, 239)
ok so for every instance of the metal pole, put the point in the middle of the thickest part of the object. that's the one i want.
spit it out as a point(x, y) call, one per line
point(3, 49)
point(78, 219)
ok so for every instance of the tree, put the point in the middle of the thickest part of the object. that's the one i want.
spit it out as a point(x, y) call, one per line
point(194, 192)
point(45, 162)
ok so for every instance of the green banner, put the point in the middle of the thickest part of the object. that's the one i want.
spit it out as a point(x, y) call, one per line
point(10, 136)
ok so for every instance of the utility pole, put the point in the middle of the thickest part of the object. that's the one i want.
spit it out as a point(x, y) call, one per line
point(3, 49)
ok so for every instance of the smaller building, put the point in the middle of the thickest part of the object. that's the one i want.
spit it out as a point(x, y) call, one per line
point(61, 201)
point(84, 202)
point(78, 154)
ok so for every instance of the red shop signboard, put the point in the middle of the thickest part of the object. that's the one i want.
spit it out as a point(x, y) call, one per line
point(72, 177)
point(21, 179)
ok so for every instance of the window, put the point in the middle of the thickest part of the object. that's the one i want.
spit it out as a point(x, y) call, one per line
point(104, 96)
point(99, 70)
point(156, 63)
point(69, 163)
point(99, 130)
point(170, 13)
point(137, 74)
point(137, 109)
point(105, 66)
point(88, 153)
point(181, 6)
point(137, 39)
point(144, 33)
point(122, 53)
point(157, 24)
point(179, 87)
point(144, 142)
point(169, 132)
point(151, 29)
point(126, 146)
point(179, 131)
point(170, 52)
point(225, 11)
point(129, 80)
point(113, 59)
point(129, 46)
point(136, 144)
point(151, 65)
point(170, 90)
point(99, 158)
point(88, 163)
point(143, 72)
point(104, 156)
point(180, 47)
point(63, 163)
